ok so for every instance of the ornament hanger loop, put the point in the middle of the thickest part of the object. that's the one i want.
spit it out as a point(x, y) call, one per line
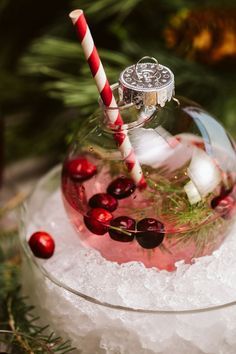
point(143, 71)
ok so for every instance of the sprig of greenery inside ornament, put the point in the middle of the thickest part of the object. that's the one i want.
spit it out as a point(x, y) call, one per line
point(176, 207)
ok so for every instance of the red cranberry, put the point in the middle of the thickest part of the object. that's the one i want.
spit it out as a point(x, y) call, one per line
point(103, 200)
point(42, 244)
point(224, 204)
point(121, 187)
point(150, 233)
point(123, 223)
point(97, 220)
point(80, 169)
point(199, 144)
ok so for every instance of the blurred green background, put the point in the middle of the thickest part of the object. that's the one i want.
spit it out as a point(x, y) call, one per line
point(45, 84)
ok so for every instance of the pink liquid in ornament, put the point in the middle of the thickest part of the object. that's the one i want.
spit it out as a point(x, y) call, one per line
point(189, 231)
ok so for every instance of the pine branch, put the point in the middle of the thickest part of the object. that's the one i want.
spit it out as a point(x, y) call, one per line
point(18, 317)
point(102, 9)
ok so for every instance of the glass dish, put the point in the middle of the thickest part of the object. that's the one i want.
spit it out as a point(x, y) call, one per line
point(97, 326)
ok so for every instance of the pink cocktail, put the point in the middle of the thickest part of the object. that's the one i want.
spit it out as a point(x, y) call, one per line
point(158, 225)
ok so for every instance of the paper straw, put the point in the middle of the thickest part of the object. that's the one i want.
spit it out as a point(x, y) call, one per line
point(105, 91)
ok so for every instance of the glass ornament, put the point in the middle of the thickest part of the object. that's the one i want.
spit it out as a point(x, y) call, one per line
point(187, 159)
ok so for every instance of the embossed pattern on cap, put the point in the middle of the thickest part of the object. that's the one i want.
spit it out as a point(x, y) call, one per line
point(146, 84)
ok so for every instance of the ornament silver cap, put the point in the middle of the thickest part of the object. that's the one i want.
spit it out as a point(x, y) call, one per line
point(146, 83)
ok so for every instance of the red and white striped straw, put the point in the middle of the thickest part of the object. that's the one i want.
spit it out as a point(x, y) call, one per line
point(105, 91)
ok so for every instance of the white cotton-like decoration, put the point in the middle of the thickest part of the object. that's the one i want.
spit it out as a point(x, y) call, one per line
point(157, 147)
point(192, 193)
point(150, 147)
point(203, 173)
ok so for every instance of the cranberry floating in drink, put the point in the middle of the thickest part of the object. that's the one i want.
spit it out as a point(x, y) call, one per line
point(98, 220)
point(103, 200)
point(122, 229)
point(80, 169)
point(150, 233)
point(151, 176)
point(121, 188)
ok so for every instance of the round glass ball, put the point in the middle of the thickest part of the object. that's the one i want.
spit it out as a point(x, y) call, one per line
point(188, 205)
